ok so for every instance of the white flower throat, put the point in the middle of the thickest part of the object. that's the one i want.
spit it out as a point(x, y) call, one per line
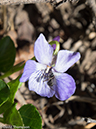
point(46, 75)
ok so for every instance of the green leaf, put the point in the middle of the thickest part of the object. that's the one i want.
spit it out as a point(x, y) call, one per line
point(7, 54)
point(12, 116)
point(4, 92)
point(14, 69)
point(31, 116)
point(57, 46)
point(5, 106)
point(14, 85)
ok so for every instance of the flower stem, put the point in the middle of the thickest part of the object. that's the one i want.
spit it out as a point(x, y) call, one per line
point(1, 120)
point(14, 69)
point(57, 46)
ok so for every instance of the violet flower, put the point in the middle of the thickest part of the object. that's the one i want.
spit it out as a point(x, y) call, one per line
point(57, 38)
point(46, 77)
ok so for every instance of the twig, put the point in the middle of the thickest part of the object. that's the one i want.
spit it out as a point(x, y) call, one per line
point(92, 4)
point(14, 2)
point(82, 99)
point(89, 126)
point(20, 98)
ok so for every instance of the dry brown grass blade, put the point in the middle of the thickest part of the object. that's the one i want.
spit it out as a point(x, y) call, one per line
point(89, 126)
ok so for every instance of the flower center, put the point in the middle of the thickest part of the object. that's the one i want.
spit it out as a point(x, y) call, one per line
point(47, 75)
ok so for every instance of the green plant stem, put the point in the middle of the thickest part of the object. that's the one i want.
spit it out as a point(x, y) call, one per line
point(14, 69)
point(57, 46)
point(1, 120)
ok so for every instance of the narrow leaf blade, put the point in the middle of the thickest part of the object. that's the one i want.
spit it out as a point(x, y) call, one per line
point(14, 85)
point(4, 92)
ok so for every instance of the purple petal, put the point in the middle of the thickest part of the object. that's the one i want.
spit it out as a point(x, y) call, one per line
point(54, 46)
point(65, 86)
point(65, 59)
point(40, 87)
point(43, 51)
point(55, 39)
point(30, 67)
